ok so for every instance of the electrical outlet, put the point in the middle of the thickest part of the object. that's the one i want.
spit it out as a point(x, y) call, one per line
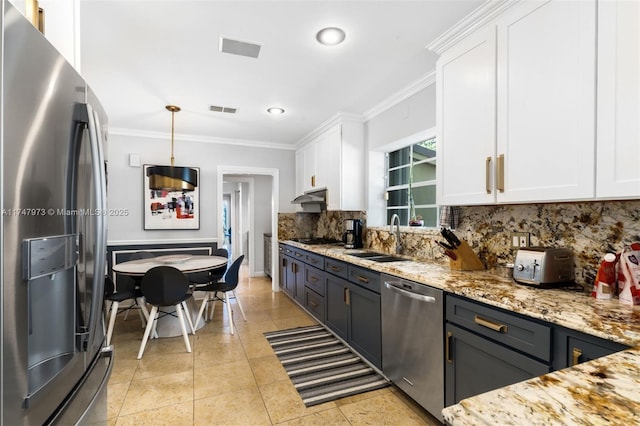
point(519, 239)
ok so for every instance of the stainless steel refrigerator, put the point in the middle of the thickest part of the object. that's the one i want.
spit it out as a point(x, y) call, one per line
point(53, 190)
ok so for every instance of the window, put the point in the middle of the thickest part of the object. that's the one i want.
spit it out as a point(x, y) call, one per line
point(411, 184)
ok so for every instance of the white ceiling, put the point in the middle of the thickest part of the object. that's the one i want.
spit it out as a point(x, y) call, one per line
point(139, 56)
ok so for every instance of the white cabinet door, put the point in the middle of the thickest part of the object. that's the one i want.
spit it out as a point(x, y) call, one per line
point(466, 121)
point(299, 172)
point(546, 100)
point(329, 166)
point(618, 142)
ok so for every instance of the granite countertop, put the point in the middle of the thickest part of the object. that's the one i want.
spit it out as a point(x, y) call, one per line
point(602, 391)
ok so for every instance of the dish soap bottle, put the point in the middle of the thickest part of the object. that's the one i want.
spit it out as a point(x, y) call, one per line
point(605, 285)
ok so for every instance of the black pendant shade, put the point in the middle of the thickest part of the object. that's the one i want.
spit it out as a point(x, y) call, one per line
point(171, 178)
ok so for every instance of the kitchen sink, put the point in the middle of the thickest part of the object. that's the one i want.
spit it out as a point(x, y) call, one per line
point(378, 257)
point(367, 254)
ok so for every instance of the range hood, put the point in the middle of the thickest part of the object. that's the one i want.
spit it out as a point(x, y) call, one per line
point(313, 201)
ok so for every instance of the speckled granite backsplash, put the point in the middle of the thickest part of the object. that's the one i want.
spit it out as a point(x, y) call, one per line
point(591, 229)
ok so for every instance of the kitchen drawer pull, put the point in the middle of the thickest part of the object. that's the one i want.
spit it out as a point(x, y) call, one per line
point(448, 347)
point(312, 260)
point(313, 279)
point(347, 296)
point(487, 175)
point(500, 173)
point(577, 353)
point(410, 294)
point(313, 304)
point(299, 255)
point(500, 328)
point(363, 279)
point(335, 268)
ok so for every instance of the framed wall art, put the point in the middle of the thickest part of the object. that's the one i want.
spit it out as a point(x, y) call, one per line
point(169, 209)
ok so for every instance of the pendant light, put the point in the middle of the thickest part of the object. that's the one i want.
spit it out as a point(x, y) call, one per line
point(171, 178)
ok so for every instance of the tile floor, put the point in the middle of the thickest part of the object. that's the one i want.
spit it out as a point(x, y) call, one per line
point(233, 380)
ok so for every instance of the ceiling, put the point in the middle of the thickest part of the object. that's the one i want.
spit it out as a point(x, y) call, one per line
point(139, 56)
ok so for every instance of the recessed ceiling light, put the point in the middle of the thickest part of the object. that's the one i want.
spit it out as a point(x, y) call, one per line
point(330, 36)
point(275, 110)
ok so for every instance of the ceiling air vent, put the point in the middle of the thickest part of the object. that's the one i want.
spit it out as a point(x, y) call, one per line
point(228, 110)
point(237, 47)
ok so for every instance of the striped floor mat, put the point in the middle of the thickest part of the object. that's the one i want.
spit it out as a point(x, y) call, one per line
point(320, 366)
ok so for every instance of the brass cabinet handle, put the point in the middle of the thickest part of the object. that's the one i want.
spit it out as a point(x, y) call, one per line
point(500, 173)
point(335, 269)
point(299, 255)
point(313, 260)
point(313, 181)
point(577, 353)
point(500, 328)
point(448, 347)
point(313, 279)
point(347, 296)
point(294, 268)
point(363, 279)
point(487, 175)
point(314, 304)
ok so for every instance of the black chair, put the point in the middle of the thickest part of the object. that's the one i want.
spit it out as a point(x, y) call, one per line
point(211, 276)
point(126, 290)
point(228, 285)
point(165, 286)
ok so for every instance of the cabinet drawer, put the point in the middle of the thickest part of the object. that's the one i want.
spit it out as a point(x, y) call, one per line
point(314, 303)
point(316, 260)
point(365, 278)
point(314, 279)
point(509, 329)
point(336, 267)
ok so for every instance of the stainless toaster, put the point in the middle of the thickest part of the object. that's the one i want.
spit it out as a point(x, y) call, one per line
point(543, 266)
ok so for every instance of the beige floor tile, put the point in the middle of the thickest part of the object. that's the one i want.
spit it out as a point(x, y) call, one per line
point(156, 392)
point(256, 347)
point(211, 354)
point(380, 410)
point(172, 415)
point(159, 364)
point(284, 403)
point(243, 407)
point(116, 394)
point(123, 370)
point(223, 378)
point(268, 369)
point(299, 321)
point(333, 417)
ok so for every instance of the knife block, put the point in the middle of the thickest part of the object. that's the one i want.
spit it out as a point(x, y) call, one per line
point(466, 260)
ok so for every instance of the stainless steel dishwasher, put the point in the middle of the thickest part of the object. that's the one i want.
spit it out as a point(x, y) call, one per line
point(412, 340)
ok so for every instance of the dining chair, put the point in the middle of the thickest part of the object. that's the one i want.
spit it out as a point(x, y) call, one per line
point(136, 256)
point(226, 286)
point(213, 275)
point(125, 290)
point(165, 286)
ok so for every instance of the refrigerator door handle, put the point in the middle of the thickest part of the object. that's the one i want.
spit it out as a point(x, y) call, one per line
point(99, 176)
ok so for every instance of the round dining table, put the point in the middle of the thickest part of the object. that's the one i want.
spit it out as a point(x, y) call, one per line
point(168, 325)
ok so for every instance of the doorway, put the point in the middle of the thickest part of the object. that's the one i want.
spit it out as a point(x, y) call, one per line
point(260, 215)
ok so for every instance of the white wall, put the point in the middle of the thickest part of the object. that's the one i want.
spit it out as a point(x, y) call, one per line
point(125, 182)
point(385, 132)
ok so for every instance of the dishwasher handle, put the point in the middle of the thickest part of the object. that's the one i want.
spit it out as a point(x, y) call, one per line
point(410, 294)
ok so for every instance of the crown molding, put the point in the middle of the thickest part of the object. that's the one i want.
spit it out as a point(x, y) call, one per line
point(335, 119)
point(476, 19)
point(196, 138)
point(405, 93)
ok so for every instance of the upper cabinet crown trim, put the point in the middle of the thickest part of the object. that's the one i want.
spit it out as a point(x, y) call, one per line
point(470, 23)
point(340, 117)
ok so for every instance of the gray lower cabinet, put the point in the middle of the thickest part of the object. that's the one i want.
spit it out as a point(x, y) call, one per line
point(487, 348)
point(573, 347)
point(267, 255)
point(353, 308)
point(314, 291)
point(294, 273)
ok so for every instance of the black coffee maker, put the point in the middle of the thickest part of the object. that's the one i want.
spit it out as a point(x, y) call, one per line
point(352, 236)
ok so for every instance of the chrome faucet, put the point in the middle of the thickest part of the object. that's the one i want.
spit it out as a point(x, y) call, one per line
point(396, 219)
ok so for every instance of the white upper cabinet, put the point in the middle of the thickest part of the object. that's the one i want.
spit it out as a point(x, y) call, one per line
point(466, 121)
point(516, 107)
point(546, 100)
point(618, 154)
point(334, 160)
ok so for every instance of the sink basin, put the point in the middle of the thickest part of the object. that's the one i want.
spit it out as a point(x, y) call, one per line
point(386, 258)
point(377, 257)
point(367, 254)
